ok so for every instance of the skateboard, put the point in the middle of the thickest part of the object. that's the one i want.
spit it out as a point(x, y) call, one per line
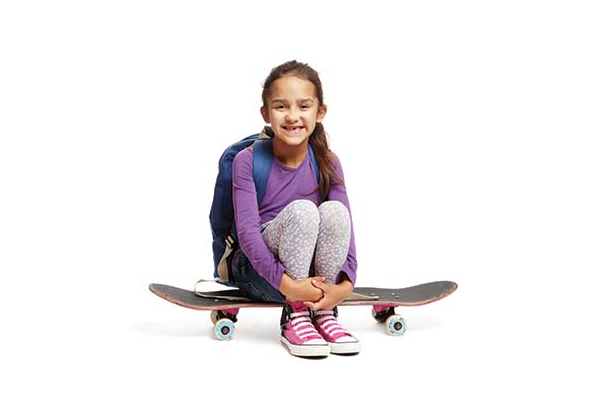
point(225, 304)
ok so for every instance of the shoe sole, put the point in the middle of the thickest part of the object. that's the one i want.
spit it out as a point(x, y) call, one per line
point(306, 350)
point(344, 348)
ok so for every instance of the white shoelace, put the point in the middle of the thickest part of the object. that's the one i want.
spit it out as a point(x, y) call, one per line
point(302, 325)
point(329, 324)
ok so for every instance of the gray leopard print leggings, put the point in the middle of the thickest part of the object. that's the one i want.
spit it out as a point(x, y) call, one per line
point(301, 230)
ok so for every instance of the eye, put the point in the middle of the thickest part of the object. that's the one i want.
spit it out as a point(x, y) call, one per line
point(279, 107)
point(305, 106)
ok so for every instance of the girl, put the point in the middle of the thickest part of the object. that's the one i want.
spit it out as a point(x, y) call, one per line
point(293, 225)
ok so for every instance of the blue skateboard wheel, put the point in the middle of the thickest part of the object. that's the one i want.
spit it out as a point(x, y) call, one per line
point(395, 325)
point(224, 329)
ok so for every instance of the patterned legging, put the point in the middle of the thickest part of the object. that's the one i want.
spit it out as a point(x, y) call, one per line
point(301, 230)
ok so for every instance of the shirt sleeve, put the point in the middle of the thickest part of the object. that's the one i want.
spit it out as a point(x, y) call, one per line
point(338, 192)
point(247, 220)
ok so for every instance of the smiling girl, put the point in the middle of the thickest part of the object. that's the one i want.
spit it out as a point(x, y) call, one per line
point(297, 246)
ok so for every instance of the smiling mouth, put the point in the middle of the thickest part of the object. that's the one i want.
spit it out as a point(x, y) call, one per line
point(293, 129)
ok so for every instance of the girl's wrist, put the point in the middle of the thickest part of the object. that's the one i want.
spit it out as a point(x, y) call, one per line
point(346, 286)
point(286, 287)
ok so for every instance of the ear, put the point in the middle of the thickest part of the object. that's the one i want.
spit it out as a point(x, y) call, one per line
point(265, 115)
point(321, 113)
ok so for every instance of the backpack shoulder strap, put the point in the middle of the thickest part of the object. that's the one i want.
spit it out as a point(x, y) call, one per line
point(313, 159)
point(262, 163)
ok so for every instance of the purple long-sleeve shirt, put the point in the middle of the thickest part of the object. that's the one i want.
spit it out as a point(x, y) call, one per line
point(285, 185)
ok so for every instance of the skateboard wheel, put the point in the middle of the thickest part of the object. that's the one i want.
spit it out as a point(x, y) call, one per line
point(224, 329)
point(395, 325)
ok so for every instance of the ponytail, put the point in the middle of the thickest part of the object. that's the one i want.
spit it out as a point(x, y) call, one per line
point(327, 174)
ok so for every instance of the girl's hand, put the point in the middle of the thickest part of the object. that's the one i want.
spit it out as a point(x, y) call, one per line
point(301, 289)
point(332, 294)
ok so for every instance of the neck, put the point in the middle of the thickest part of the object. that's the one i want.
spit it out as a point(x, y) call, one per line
point(291, 156)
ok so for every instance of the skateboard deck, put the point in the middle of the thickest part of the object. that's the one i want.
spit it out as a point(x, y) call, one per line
point(225, 304)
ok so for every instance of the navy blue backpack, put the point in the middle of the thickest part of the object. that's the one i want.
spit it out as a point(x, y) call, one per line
point(222, 220)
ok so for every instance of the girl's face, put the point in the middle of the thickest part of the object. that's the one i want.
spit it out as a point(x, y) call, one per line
point(293, 110)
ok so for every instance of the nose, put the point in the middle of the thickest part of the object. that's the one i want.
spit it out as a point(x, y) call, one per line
point(292, 114)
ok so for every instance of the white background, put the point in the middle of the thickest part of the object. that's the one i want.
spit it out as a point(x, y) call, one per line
point(468, 131)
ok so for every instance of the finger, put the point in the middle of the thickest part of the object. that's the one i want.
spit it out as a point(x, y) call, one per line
point(319, 284)
point(316, 306)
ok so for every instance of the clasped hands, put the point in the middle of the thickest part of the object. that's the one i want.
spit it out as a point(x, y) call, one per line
point(314, 292)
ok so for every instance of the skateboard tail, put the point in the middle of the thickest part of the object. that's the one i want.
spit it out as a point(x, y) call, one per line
point(189, 299)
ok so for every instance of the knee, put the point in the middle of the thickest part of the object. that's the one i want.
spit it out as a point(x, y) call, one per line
point(305, 207)
point(334, 213)
point(303, 213)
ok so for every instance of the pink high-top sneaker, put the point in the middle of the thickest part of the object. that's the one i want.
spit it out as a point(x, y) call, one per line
point(339, 339)
point(298, 333)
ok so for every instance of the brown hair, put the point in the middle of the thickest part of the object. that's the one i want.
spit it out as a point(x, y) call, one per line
point(318, 138)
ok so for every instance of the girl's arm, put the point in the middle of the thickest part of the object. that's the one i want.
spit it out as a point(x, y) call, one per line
point(247, 220)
